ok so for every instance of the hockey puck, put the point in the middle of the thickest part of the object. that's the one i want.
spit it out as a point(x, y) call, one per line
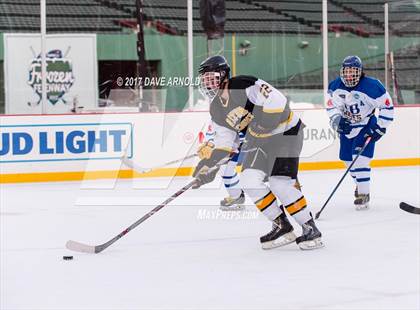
point(67, 257)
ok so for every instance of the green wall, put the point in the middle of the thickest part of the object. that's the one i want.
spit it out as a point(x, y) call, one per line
point(171, 51)
point(2, 103)
point(2, 99)
point(269, 57)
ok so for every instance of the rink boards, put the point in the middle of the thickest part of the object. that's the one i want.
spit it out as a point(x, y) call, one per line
point(89, 146)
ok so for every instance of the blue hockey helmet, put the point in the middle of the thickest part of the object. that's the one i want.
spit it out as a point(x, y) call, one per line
point(351, 71)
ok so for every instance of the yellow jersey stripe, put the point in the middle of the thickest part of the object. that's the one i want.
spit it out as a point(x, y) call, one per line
point(273, 110)
point(266, 135)
point(227, 149)
point(289, 119)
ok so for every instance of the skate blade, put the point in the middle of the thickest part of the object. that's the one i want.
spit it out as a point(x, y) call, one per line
point(232, 208)
point(362, 207)
point(281, 241)
point(311, 244)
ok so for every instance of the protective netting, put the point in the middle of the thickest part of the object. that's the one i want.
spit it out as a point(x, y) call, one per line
point(404, 46)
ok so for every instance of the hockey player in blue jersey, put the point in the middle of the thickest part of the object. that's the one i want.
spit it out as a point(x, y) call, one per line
point(236, 197)
point(352, 101)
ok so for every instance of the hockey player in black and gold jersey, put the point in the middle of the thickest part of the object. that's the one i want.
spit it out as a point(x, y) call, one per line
point(274, 141)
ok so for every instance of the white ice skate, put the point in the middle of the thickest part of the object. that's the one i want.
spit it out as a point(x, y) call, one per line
point(233, 204)
point(311, 237)
point(362, 202)
point(280, 235)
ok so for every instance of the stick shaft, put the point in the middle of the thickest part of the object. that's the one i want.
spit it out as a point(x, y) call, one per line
point(140, 169)
point(102, 247)
point(342, 178)
point(80, 247)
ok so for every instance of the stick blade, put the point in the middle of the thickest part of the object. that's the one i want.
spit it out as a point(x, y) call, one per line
point(80, 247)
point(409, 208)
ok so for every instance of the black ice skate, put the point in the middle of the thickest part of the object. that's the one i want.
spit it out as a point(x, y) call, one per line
point(311, 237)
point(281, 234)
point(233, 204)
point(361, 202)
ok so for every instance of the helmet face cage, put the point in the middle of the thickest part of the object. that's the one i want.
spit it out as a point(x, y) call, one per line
point(351, 70)
point(212, 72)
point(350, 76)
point(210, 84)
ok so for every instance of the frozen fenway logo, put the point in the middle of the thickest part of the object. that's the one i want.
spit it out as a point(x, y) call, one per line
point(60, 77)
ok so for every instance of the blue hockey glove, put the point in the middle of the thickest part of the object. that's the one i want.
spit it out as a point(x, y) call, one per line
point(341, 125)
point(375, 132)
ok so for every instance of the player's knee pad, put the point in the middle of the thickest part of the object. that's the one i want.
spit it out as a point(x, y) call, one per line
point(291, 197)
point(281, 181)
point(230, 168)
point(361, 174)
point(361, 168)
point(284, 187)
point(231, 178)
point(347, 163)
point(252, 179)
point(362, 162)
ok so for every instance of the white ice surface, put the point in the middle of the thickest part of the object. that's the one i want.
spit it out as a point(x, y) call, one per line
point(175, 260)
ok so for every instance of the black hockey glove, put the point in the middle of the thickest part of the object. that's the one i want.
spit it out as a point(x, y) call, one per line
point(203, 176)
point(375, 132)
point(341, 125)
point(201, 173)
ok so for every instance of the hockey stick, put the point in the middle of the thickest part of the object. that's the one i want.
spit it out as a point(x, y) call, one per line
point(128, 162)
point(409, 208)
point(342, 178)
point(396, 94)
point(81, 247)
point(93, 249)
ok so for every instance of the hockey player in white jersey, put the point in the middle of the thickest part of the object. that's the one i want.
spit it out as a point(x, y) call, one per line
point(352, 101)
point(274, 142)
point(236, 197)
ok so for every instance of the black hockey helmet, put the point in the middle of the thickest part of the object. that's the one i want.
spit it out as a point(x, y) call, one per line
point(216, 63)
point(212, 72)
